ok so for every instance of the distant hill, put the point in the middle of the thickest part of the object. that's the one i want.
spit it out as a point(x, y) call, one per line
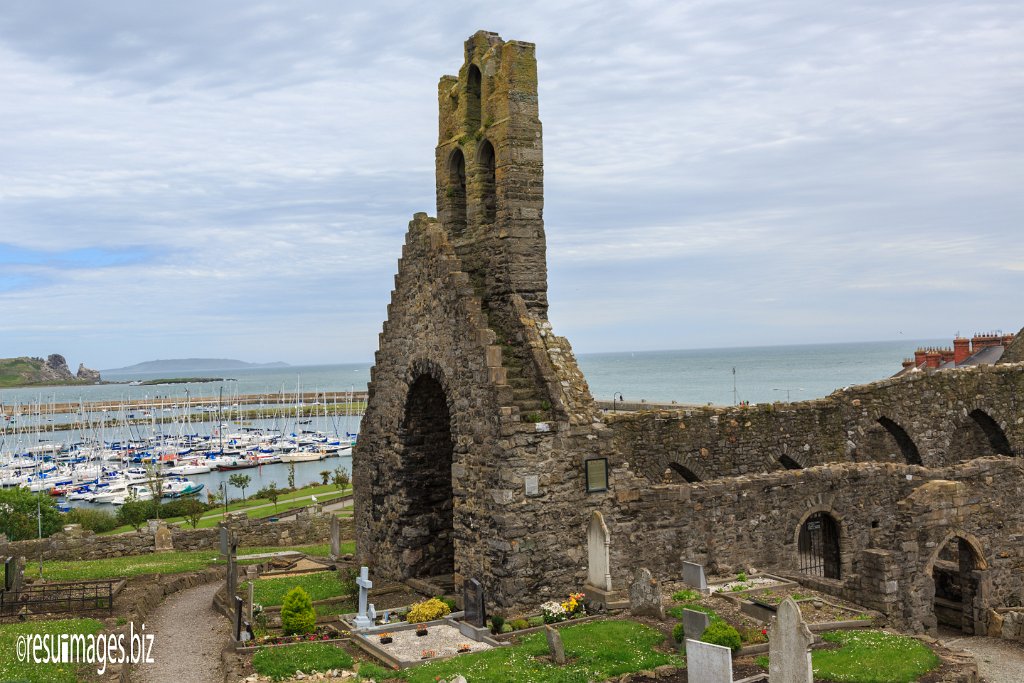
point(27, 371)
point(191, 365)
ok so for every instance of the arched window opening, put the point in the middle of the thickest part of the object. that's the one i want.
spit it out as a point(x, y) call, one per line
point(907, 446)
point(684, 472)
point(789, 463)
point(488, 183)
point(818, 546)
point(473, 88)
point(456, 192)
point(992, 431)
point(956, 584)
point(977, 436)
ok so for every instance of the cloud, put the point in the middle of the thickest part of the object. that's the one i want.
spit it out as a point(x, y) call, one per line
point(190, 178)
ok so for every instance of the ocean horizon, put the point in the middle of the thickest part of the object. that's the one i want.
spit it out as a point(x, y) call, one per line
point(688, 376)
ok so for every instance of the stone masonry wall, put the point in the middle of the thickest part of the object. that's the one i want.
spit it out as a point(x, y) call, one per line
point(308, 528)
point(886, 542)
point(844, 427)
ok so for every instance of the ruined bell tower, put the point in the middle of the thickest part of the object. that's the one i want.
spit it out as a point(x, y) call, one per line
point(479, 425)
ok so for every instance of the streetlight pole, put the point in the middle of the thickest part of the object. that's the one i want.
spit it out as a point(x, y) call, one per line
point(620, 398)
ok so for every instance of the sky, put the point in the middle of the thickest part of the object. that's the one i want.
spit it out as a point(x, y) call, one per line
point(234, 179)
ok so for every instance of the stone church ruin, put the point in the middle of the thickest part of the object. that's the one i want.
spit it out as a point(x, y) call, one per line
point(483, 455)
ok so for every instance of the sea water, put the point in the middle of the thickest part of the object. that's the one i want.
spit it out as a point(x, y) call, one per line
point(695, 376)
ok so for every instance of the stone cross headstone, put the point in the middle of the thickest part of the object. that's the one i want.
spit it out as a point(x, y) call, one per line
point(694, 623)
point(555, 645)
point(163, 541)
point(645, 595)
point(473, 603)
point(789, 648)
point(239, 605)
point(598, 545)
point(335, 537)
point(708, 663)
point(364, 583)
point(693, 575)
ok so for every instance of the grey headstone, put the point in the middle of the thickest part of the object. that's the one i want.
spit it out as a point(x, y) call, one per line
point(693, 575)
point(8, 573)
point(225, 541)
point(232, 571)
point(694, 623)
point(18, 580)
point(598, 545)
point(473, 603)
point(555, 645)
point(789, 649)
point(163, 541)
point(708, 663)
point(645, 595)
point(362, 620)
point(335, 537)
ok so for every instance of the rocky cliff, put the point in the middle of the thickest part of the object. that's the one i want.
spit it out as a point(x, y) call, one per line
point(27, 371)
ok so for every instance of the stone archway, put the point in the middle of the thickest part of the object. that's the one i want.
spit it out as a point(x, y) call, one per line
point(819, 546)
point(977, 435)
point(957, 571)
point(426, 512)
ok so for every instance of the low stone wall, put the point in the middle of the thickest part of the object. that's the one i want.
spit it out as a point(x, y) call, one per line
point(310, 526)
point(1007, 623)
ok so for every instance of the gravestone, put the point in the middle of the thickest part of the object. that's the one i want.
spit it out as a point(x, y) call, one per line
point(693, 576)
point(708, 663)
point(473, 603)
point(17, 574)
point(163, 541)
point(364, 583)
point(694, 623)
point(598, 544)
point(335, 537)
point(645, 595)
point(225, 541)
point(789, 649)
point(8, 574)
point(555, 645)
point(232, 569)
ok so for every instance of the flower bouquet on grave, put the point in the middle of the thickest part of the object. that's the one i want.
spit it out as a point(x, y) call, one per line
point(574, 606)
point(385, 638)
point(463, 647)
point(428, 654)
point(421, 629)
point(553, 612)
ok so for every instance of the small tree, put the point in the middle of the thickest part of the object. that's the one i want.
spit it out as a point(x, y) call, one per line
point(324, 476)
point(297, 613)
point(272, 494)
point(193, 511)
point(291, 475)
point(20, 510)
point(134, 513)
point(240, 481)
point(341, 478)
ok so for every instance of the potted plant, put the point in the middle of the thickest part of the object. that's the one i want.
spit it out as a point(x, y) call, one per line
point(421, 630)
point(385, 638)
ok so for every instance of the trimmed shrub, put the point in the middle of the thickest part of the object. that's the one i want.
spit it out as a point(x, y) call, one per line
point(428, 610)
point(721, 633)
point(297, 613)
point(677, 632)
point(497, 623)
point(519, 624)
point(535, 621)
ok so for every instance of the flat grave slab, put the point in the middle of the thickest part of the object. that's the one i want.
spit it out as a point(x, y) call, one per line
point(406, 648)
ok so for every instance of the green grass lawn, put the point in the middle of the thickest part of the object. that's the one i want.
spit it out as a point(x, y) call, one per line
point(162, 563)
point(320, 586)
point(13, 670)
point(873, 657)
point(596, 651)
point(281, 662)
point(285, 502)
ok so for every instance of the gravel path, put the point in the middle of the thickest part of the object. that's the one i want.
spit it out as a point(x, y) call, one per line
point(999, 661)
point(188, 638)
